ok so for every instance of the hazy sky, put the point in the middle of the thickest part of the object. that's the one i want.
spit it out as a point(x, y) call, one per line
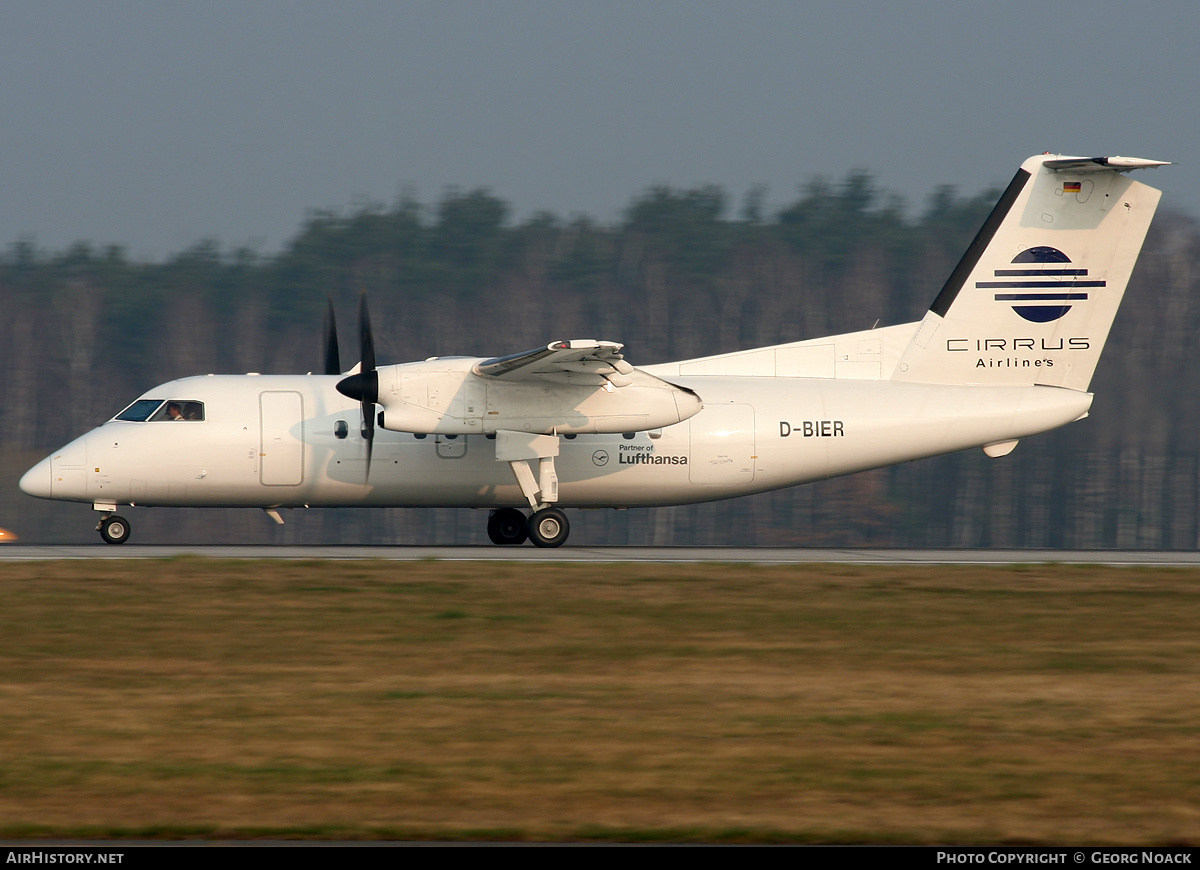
point(154, 125)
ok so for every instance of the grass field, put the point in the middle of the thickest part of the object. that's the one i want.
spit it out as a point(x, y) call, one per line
point(728, 703)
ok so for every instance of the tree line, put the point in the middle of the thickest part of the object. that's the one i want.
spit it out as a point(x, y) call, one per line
point(684, 273)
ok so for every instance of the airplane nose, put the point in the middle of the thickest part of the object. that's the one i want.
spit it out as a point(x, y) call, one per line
point(37, 480)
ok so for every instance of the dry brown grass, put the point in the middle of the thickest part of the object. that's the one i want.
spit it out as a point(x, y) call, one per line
point(843, 704)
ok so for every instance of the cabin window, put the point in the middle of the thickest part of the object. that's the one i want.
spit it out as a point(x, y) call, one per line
point(140, 410)
point(341, 428)
point(179, 409)
point(628, 436)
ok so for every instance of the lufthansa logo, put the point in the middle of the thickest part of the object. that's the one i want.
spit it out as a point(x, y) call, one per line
point(600, 457)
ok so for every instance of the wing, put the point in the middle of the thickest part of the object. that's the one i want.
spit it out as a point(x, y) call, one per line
point(579, 361)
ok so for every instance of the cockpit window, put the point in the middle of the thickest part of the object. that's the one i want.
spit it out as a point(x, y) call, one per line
point(156, 410)
point(140, 410)
point(177, 409)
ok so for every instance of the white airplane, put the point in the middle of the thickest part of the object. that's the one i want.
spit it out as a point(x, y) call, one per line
point(1007, 350)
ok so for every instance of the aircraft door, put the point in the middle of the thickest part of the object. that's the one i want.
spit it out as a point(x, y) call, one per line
point(722, 445)
point(282, 446)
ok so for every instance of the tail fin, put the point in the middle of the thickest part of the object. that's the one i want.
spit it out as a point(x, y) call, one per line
point(1034, 297)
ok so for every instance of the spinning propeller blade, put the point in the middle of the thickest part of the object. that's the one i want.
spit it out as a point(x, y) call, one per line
point(364, 386)
point(333, 364)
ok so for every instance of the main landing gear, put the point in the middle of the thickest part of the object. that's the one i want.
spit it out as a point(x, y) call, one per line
point(506, 527)
point(113, 530)
point(548, 527)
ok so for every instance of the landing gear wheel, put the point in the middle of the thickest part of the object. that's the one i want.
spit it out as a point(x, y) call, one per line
point(506, 527)
point(549, 528)
point(114, 530)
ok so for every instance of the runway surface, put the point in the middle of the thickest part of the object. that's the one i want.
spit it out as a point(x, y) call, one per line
point(751, 555)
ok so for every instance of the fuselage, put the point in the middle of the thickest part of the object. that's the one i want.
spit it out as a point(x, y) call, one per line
point(293, 440)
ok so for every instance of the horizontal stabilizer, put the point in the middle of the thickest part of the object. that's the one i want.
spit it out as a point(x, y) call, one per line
point(1098, 164)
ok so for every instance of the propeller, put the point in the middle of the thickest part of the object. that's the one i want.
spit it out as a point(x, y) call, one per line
point(364, 386)
point(333, 364)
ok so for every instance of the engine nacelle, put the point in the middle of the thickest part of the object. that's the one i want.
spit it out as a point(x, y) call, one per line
point(445, 396)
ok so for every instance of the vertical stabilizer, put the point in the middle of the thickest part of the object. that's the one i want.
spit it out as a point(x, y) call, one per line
point(1035, 295)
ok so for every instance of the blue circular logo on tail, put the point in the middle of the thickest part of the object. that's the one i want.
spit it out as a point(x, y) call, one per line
point(1045, 289)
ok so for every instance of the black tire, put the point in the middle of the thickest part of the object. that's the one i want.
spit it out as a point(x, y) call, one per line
point(549, 528)
point(114, 530)
point(506, 527)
